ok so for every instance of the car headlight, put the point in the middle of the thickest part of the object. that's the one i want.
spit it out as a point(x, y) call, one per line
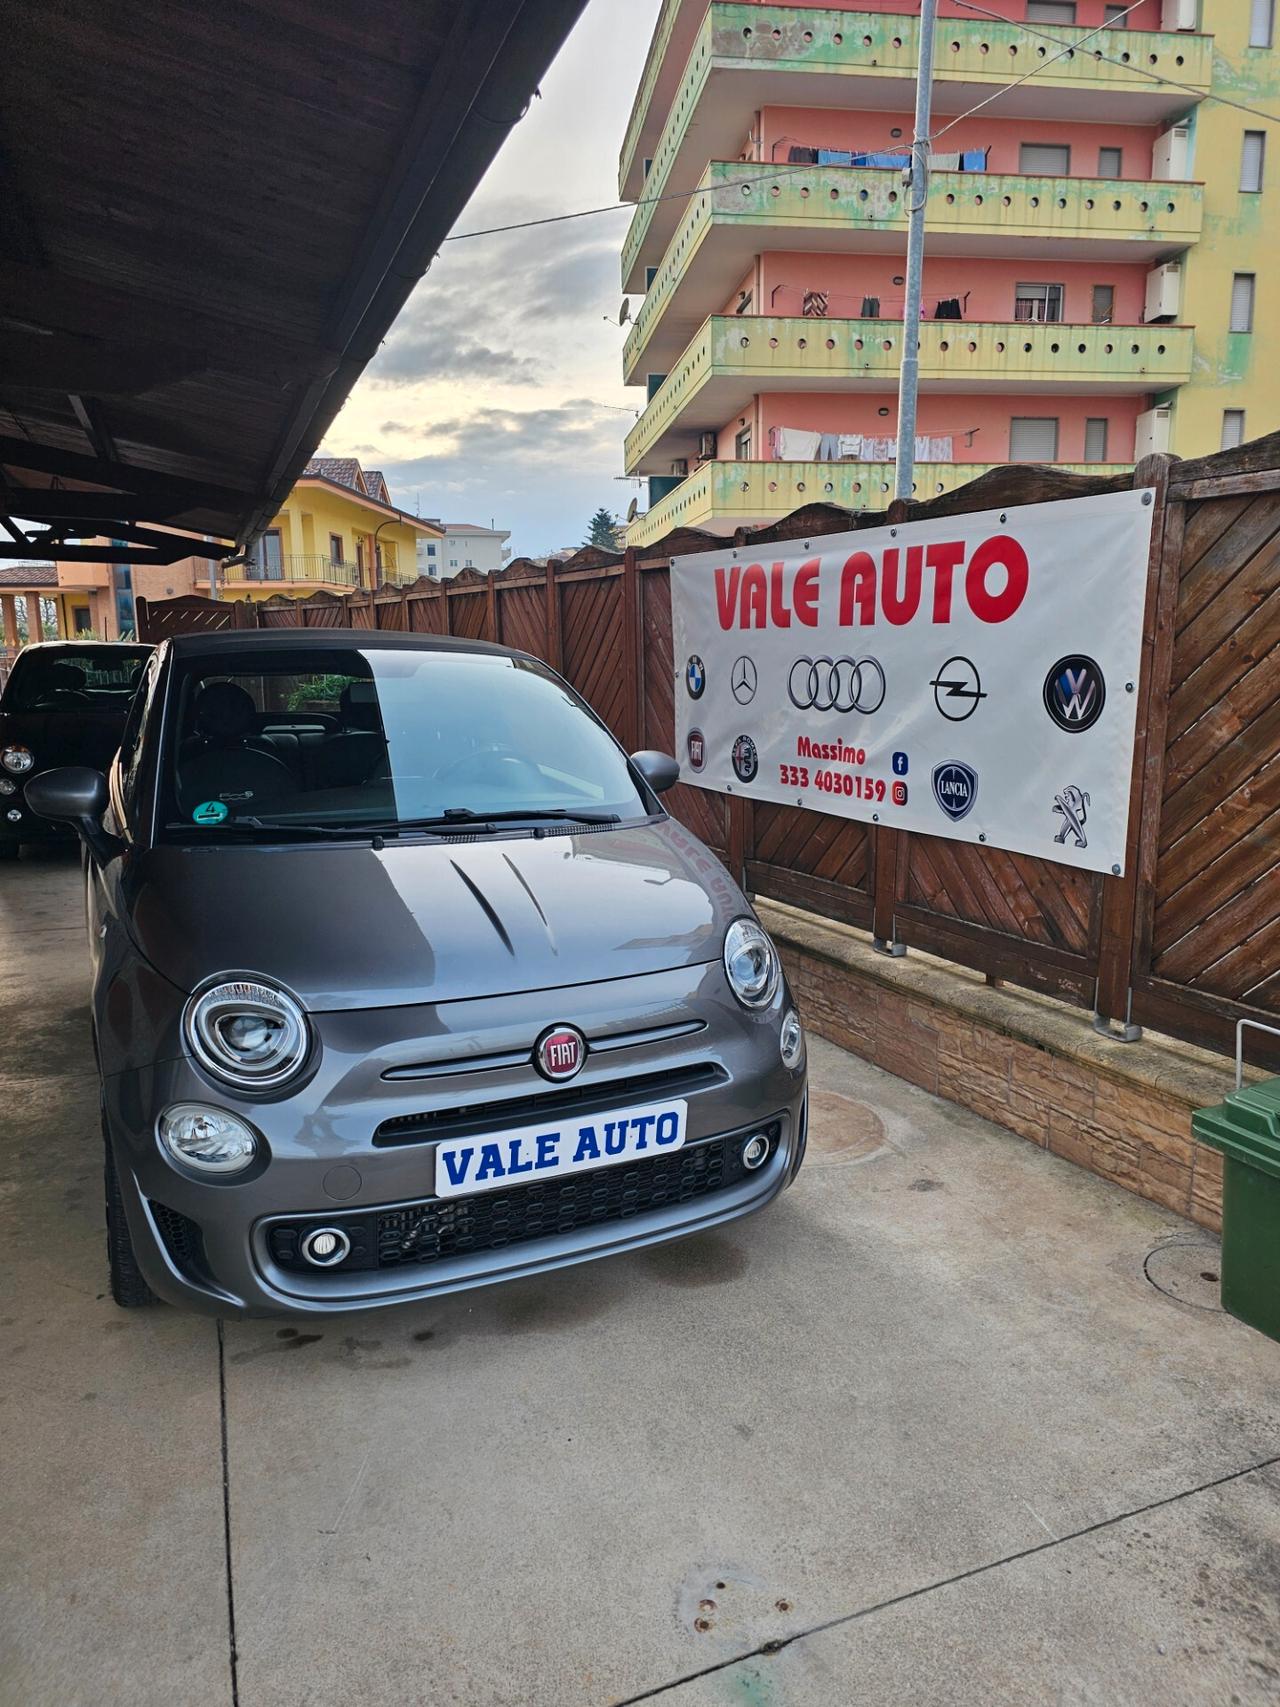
point(19, 760)
point(208, 1139)
point(751, 964)
point(791, 1040)
point(248, 1033)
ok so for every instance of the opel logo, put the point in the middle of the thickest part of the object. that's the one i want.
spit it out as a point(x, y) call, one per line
point(836, 684)
point(743, 681)
point(560, 1052)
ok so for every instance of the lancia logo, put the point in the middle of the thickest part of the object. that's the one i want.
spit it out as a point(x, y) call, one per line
point(955, 788)
point(560, 1052)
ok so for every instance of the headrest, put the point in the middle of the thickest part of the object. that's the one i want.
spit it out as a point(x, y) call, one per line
point(359, 706)
point(64, 678)
point(224, 712)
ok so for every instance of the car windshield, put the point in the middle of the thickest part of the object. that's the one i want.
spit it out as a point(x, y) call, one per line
point(75, 679)
point(331, 740)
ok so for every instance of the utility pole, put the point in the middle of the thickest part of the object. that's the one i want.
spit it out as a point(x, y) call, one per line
point(918, 190)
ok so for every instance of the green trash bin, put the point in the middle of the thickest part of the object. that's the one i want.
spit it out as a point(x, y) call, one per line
point(1246, 1128)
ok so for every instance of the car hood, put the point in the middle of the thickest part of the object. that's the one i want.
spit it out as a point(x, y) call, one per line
point(64, 737)
point(352, 927)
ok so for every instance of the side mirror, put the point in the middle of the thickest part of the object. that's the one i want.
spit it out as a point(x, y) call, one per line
point(659, 770)
point(75, 794)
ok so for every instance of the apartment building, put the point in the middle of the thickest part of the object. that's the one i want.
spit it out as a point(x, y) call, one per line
point(466, 545)
point(1095, 278)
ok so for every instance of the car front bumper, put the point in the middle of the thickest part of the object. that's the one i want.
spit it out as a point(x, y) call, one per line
point(354, 1148)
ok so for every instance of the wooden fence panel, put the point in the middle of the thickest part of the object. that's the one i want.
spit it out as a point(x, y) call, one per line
point(469, 615)
point(522, 618)
point(592, 629)
point(426, 612)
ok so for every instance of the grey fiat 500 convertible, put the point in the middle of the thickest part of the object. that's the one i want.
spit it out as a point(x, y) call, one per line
point(404, 981)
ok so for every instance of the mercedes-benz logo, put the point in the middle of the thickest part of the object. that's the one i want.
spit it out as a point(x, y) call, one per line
point(957, 688)
point(743, 680)
point(836, 684)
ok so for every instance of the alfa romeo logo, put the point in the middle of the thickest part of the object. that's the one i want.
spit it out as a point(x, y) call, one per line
point(746, 761)
point(836, 684)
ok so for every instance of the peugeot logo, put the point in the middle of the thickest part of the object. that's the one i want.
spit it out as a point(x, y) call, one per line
point(957, 688)
point(743, 680)
point(836, 684)
point(560, 1052)
point(1075, 693)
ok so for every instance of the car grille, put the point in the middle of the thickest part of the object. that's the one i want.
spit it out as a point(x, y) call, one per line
point(481, 1117)
point(182, 1239)
point(440, 1228)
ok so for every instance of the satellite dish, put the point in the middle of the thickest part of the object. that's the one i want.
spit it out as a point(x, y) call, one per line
point(632, 507)
point(624, 313)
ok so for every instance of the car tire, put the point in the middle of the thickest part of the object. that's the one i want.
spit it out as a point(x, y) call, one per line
point(128, 1287)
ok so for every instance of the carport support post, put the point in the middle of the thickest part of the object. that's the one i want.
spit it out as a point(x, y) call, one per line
point(917, 180)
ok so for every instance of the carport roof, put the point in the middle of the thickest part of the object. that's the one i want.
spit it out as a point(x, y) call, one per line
point(213, 214)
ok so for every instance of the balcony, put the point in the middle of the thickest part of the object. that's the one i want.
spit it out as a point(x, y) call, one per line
point(722, 496)
point(293, 570)
point(748, 56)
point(742, 209)
point(731, 360)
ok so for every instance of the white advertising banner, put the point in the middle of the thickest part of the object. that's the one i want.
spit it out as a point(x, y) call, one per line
point(972, 676)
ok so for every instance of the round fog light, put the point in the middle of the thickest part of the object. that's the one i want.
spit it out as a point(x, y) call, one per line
point(755, 1152)
point(8, 785)
point(13, 815)
point(207, 1139)
point(325, 1246)
point(791, 1039)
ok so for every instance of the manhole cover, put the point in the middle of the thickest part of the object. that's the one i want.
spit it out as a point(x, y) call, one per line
point(1186, 1269)
point(841, 1129)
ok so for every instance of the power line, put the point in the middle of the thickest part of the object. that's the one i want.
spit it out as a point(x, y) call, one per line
point(1124, 64)
point(1044, 65)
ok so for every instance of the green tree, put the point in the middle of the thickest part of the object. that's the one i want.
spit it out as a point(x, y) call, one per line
point(600, 530)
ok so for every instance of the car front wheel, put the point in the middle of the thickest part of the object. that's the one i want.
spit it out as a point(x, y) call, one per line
point(128, 1287)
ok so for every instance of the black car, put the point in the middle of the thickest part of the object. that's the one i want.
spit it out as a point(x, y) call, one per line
point(64, 704)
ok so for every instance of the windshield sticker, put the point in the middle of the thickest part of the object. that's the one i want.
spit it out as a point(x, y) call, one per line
point(209, 812)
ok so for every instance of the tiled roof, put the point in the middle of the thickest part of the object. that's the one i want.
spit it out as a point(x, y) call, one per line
point(376, 486)
point(28, 575)
point(345, 470)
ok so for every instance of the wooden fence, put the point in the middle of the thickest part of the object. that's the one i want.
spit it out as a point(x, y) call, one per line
point(1188, 941)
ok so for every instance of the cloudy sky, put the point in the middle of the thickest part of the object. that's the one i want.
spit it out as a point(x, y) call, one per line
point(491, 396)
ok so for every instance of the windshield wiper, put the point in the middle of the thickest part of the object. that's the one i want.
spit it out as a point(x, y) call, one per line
point(463, 818)
point(257, 826)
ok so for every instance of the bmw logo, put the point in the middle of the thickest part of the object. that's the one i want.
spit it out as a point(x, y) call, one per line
point(695, 677)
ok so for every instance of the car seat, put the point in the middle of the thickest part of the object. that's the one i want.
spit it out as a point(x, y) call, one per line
point(225, 760)
point(351, 757)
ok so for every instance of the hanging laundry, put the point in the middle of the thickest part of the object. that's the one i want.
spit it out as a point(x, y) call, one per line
point(829, 448)
point(948, 308)
point(803, 156)
point(871, 308)
point(775, 454)
point(886, 160)
point(945, 162)
point(834, 157)
point(851, 444)
point(796, 445)
point(974, 160)
point(937, 449)
point(814, 306)
point(879, 450)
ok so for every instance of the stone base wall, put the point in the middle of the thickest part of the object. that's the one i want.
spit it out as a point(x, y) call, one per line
point(1121, 1110)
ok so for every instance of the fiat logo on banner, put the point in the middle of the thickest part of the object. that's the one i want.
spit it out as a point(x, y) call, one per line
point(560, 1052)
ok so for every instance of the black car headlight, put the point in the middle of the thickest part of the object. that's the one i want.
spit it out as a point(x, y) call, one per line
point(248, 1033)
point(751, 964)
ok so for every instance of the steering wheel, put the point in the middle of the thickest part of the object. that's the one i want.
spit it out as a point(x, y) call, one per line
point(478, 763)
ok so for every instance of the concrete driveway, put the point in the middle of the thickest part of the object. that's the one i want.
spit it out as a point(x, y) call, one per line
point(925, 1432)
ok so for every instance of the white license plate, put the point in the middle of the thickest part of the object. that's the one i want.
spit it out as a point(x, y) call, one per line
point(526, 1154)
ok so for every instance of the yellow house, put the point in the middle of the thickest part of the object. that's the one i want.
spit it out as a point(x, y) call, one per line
point(338, 531)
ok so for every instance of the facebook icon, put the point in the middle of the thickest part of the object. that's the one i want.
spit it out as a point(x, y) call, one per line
point(899, 764)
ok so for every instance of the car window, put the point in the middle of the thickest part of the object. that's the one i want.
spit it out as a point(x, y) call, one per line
point(75, 680)
point(340, 739)
point(131, 742)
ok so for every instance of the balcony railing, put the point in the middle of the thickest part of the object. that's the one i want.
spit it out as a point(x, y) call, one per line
point(721, 496)
point(731, 359)
point(1116, 77)
point(293, 567)
point(750, 206)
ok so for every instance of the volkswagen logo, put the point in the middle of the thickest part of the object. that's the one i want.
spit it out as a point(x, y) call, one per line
point(742, 680)
point(836, 684)
point(560, 1052)
point(1075, 693)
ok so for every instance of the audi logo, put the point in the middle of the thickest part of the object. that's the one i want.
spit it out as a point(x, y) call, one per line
point(836, 684)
